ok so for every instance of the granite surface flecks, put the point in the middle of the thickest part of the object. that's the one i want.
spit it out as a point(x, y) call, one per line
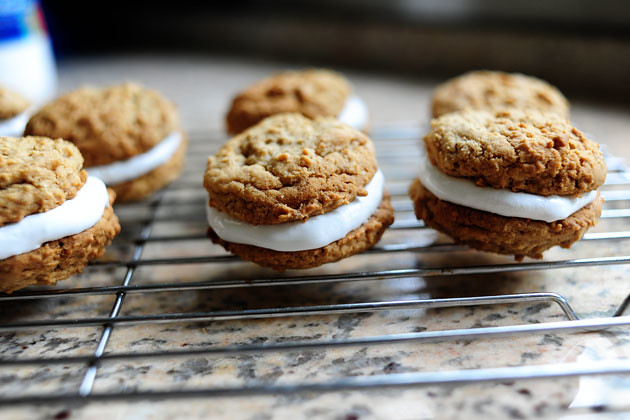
point(592, 291)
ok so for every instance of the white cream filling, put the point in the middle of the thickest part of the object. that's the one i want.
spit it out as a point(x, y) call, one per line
point(354, 113)
point(503, 202)
point(316, 232)
point(14, 126)
point(138, 165)
point(71, 217)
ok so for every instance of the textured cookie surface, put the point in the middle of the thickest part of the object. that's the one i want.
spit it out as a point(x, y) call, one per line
point(58, 260)
point(356, 241)
point(11, 103)
point(37, 174)
point(108, 124)
point(143, 186)
point(289, 168)
point(503, 235)
point(494, 90)
point(522, 151)
point(312, 93)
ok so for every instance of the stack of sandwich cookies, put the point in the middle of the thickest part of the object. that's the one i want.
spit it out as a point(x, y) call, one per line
point(313, 93)
point(292, 192)
point(129, 136)
point(54, 218)
point(511, 182)
point(494, 90)
point(13, 113)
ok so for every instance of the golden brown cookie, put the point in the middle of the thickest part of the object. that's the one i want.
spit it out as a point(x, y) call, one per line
point(11, 103)
point(36, 175)
point(312, 93)
point(107, 124)
point(289, 168)
point(362, 238)
point(493, 90)
point(503, 235)
point(58, 260)
point(519, 150)
point(113, 124)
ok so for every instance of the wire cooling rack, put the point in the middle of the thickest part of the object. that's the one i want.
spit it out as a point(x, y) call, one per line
point(396, 146)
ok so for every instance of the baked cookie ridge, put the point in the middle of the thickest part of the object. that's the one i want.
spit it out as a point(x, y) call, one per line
point(289, 168)
point(107, 124)
point(59, 259)
point(510, 181)
point(294, 192)
point(495, 90)
point(129, 135)
point(312, 93)
point(518, 150)
point(491, 232)
point(37, 174)
point(358, 240)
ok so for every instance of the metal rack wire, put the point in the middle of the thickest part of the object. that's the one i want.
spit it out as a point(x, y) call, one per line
point(202, 144)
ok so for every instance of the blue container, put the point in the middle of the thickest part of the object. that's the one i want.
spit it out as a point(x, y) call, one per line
point(27, 63)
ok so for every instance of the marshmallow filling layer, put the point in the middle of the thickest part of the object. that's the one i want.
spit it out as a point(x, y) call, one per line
point(138, 165)
point(499, 201)
point(316, 232)
point(71, 217)
point(14, 126)
point(354, 113)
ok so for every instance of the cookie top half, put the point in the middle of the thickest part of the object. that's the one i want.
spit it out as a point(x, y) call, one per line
point(11, 103)
point(495, 90)
point(312, 93)
point(288, 168)
point(519, 150)
point(37, 174)
point(107, 124)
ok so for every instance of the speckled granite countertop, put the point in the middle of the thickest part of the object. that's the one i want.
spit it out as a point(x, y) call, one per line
point(202, 88)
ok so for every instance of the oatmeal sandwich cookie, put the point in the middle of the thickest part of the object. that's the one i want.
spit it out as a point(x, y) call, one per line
point(13, 113)
point(292, 192)
point(510, 182)
point(495, 90)
point(129, 136)
point(54, 218)
point(313, 93)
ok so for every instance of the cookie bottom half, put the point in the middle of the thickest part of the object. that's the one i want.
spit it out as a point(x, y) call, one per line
point(139, 188)
point(358, 240)
point(58, 260)
point(503, 235)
